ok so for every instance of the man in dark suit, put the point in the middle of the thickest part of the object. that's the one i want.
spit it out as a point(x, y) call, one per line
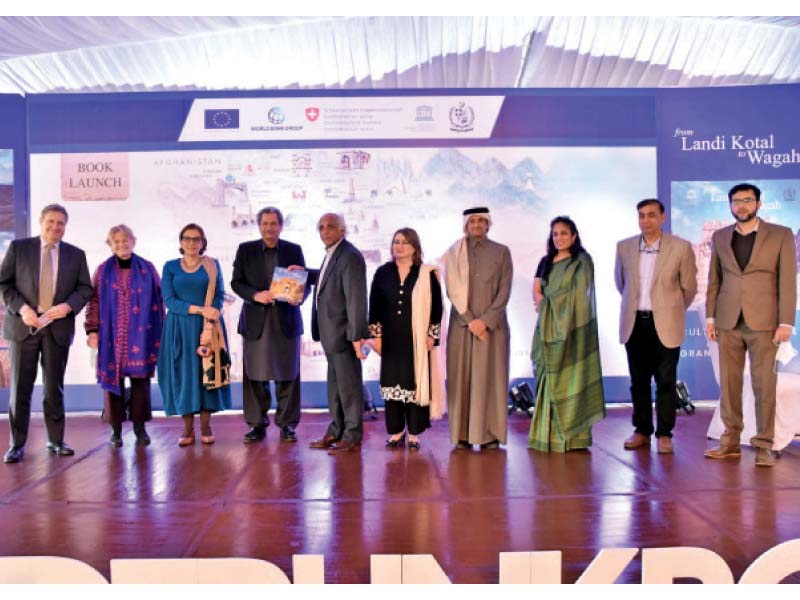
point(44, 283)
point(271, 329)
point(750, 309)
point(339, 321)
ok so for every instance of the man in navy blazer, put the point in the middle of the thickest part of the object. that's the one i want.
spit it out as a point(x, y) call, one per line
point(339, 321)
point(271, 329)
point(44, 283)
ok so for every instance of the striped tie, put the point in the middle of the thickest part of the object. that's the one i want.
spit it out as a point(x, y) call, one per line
point(46, 279)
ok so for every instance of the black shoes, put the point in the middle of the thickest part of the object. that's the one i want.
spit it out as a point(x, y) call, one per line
point(490, 445)
point(398, 443)
point(14, 455)
point(59, 448)
point(288, 434)
point(256, 434)
point(142, 439)
point(463, 445)
point(116, 437)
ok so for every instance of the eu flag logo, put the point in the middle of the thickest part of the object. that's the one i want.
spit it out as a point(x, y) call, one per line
point(222, 119)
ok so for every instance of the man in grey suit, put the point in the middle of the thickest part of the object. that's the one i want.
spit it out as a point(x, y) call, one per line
point(44, 283)
point(750, 308)
point(656, 273)
point(339, 321)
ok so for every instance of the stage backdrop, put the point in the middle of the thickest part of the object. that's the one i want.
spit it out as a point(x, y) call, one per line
point(393, 159)
point(710, 140)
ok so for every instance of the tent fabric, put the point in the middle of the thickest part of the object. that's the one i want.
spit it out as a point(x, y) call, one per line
point(115, 54)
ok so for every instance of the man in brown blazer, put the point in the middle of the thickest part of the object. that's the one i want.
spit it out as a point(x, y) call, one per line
point(750, 308)
point(656, 274)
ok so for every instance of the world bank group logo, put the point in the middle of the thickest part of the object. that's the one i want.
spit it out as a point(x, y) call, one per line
point(276, 116)
point(222, 118)
point(461, 117)
point(789, 195)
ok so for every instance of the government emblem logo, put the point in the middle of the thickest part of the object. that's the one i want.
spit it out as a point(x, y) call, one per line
point(461, 117)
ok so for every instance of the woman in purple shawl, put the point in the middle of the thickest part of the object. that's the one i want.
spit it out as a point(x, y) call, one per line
point(123, 322)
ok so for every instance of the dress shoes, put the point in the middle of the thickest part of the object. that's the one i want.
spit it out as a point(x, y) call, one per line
point(665, 445)
point(208, 439)
point(14, 455)
point(344, 447)
point(723, 452)
point(256, 434)
point(142, 439)
point(398, 443)
point(413, 446)
point(60, 449)
point(186, 440)
point(637, 440)
point(490, 445)
point(463, 445)
point(115, 441)
point(323, 443)
point(764, 458)
point(288, 434)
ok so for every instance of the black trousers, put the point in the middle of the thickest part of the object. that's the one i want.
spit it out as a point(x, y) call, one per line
point(257, 400)
point(345, 396)
point(24, 358)
point(649, 359)
point(400, 415)
point(137, 409)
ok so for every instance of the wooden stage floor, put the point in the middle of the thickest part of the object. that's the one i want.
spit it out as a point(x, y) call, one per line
point(273, 500)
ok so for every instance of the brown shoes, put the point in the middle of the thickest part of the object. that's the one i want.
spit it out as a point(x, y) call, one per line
point(723, 452)
point(343, 447)
point(323, 443)
point(764, 458)
point(665, 445)
point(637, 440)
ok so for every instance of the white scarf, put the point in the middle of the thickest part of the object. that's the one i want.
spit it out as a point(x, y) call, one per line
point(427, 366)
point(456, 274)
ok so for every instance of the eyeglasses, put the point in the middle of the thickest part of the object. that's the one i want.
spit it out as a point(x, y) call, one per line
point(188, 238)
point(744, 201)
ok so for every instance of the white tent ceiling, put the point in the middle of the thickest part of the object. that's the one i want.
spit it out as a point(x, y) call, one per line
point(113, 54)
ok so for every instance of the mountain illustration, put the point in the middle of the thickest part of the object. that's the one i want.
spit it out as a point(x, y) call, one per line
point(490, 181)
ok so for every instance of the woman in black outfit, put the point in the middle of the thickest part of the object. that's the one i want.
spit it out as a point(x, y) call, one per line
point(405, 314)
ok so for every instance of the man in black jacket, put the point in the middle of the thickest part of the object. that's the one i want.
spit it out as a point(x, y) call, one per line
point(44, 283)
point(271, 329)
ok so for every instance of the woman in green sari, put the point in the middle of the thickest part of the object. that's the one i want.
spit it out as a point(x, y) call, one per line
point(566, 352)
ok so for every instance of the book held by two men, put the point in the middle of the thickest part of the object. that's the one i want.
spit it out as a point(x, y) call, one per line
point(288, 286)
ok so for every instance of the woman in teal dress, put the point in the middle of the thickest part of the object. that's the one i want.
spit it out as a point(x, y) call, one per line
point(566, 350)
point(180, 377)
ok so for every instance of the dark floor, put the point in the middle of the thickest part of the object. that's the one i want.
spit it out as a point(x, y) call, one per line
point(273, 500)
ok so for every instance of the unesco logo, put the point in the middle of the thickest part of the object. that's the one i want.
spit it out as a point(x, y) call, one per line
point(276, 116)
